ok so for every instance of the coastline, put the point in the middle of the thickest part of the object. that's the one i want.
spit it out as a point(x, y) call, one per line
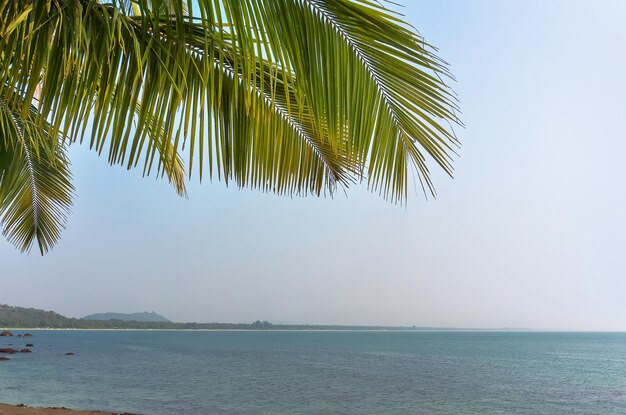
point(6, 409)
point(391, 329)
point(287, 330)
point(220, 330)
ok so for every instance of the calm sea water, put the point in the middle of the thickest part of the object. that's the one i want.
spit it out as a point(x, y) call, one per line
point(319, 373)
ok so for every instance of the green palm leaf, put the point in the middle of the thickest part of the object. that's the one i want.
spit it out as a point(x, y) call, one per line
point(35, 182)
point(288, 96)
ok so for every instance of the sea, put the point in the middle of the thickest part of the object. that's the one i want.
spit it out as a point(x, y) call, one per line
point(320, 372)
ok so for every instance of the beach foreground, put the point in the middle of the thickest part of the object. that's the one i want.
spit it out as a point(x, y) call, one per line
point(25, 410)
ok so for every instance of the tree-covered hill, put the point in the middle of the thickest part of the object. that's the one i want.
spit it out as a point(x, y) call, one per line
point(144, 316)
point(13, 317)
point(21, 317)
point(30, 317)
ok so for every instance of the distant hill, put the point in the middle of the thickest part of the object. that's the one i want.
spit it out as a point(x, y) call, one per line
point(22, 317)
point(145, 316)
point(30, 317)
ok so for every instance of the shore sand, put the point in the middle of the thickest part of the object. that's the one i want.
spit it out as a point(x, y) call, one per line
point(26, 410)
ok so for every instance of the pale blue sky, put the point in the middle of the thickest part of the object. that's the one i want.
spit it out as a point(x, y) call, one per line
point(530, 233)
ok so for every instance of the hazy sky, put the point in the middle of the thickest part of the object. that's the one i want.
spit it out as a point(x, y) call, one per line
point(530, 233)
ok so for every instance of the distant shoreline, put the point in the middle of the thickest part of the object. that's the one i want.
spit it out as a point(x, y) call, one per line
point(274, 330)
point(6, 409)
point(254, 330)
point(400, 329)
point(22, 318)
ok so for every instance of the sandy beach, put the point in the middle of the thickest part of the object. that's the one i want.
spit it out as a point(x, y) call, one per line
point(24, 410)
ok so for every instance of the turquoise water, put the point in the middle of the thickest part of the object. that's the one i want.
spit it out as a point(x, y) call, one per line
point(319, 373)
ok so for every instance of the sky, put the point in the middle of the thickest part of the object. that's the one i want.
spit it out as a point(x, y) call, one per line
point(529, 234)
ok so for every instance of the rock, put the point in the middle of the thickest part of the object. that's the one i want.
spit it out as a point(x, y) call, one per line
point(8, 351)
point(69, 354)
point(26, 351)
point(27, 335)
point(19, 335)
point(30, 345)
point(4, 359)
point(6, 334)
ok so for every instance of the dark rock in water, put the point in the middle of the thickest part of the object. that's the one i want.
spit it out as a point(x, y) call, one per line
point(8, 351)
point(6, 334)
point(27, 335)
point(19, 335)
point(69, 354)
point(30, 345)
point(26, 351)
point(4, 359)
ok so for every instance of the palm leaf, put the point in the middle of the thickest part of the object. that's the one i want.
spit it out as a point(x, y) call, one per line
point(289, 96)
point(35, 182)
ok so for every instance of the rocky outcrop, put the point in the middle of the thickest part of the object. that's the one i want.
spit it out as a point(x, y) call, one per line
point(30, 345)
point(6, 334)
point(26, 351)
point(4, 359)
point(8, 351)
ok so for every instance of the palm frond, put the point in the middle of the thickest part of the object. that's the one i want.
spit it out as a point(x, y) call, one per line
point(35, 182)
point(369, 76)
point(288, 96)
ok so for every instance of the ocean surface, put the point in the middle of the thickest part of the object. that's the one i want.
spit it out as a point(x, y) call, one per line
point(319, 373)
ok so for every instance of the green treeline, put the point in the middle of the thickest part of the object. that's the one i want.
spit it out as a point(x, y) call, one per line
point(35, 318)
point(14, 317)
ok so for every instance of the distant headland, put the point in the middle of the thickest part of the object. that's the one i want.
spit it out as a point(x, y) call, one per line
point(145, 316)
point(32, 318)
point(12, 317)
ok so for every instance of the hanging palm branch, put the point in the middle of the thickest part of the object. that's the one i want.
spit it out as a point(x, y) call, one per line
point(290, 96)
